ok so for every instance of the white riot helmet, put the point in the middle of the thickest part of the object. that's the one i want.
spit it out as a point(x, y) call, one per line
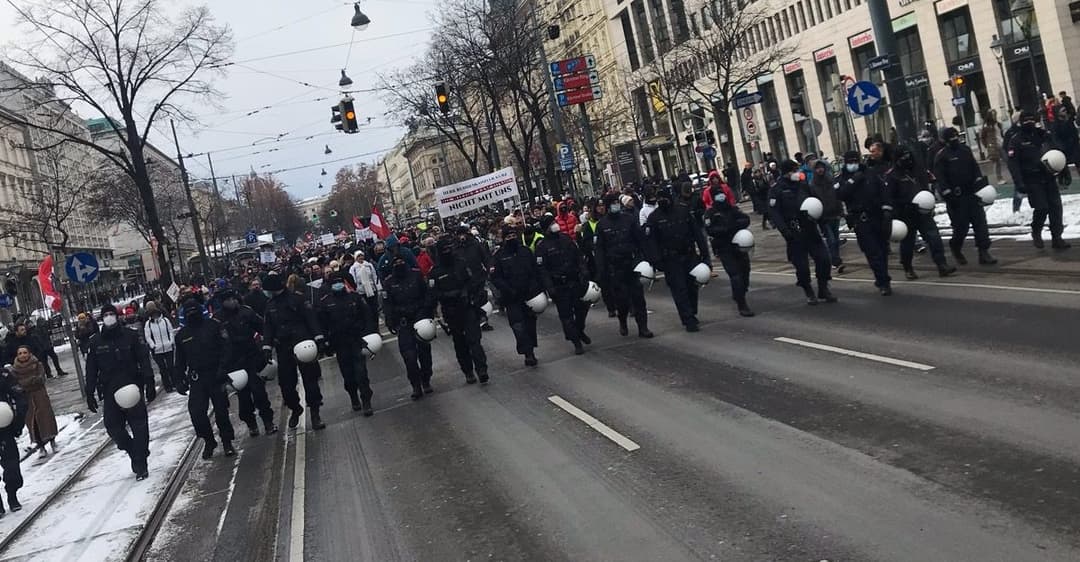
point(899, 231)
point(269, 372)
point(701, 273)
point(488, 308)
point(1055, 160)
point(592, 293)
point(127, 396)
point(538, 304)
point(812, 206)
point(646, 271)
point(987, 195)
point(306, 351)
point(239, 379)
point(744, 239)
point(374, 344)
point(425, 329)
point(7, 415)
point(924, 200)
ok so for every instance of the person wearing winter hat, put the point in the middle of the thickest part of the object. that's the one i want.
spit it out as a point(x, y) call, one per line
point(801, 232)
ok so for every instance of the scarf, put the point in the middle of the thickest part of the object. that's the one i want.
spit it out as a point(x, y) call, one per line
point(29, 374)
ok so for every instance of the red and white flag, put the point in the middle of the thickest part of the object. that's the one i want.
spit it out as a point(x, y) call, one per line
point(378, 224)
point(357, 223)
point(48, 292)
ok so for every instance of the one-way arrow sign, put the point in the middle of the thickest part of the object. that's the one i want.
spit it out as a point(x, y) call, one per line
point(81, 267)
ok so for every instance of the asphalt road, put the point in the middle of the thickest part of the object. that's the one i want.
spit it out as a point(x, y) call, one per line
point(958, 441)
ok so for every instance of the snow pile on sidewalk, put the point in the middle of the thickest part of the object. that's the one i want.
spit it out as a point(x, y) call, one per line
point(1005, 225)
point(67, 424)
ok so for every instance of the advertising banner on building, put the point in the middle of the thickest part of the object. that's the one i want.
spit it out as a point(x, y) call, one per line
point(473, 194)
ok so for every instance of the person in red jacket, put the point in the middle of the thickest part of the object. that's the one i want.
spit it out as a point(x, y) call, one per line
point(715, 180)
point(566, 217)
point(423, 259)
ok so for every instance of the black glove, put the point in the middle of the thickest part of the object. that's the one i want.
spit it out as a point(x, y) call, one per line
point(91, 403)
point(151, 392)
point(181, 387)
point(324, 345)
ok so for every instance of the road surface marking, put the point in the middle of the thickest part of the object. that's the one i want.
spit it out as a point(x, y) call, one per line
point(859, 354)
point(229, 495)
point(296, 526)
point(594, 423)
point(946, 284)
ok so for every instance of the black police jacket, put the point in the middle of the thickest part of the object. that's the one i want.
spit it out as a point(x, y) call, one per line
point(560, 262)
point(117, 358)
point(861, 193)
point(674, 232)
point(289, 320)
point(11, 393)
point(515, 274)
point(956, 171)
point(1025, 150)
point(722, 221)
point(243, 326)
point(785, 209)
point(406, 299)
point(346, 318)
point(257, 301)
point(900, 188)
point(619, 242)
point(203, 352)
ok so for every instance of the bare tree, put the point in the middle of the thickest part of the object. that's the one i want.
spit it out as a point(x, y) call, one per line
point(132, 61)
point(353, 194)
point(270, 208)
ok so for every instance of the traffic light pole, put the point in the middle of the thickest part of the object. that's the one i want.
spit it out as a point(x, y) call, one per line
point(556, 117)
point(810, 121)
point(899, 102)
point(590, 149)
point(191, 205)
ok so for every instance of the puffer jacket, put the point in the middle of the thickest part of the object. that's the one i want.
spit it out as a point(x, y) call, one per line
point(567, 219)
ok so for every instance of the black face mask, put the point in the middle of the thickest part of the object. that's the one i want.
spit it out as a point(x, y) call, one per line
point(663, 204)
point(193, 316)
point(953, 142)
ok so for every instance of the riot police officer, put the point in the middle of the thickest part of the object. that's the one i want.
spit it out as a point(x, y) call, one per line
point(478, 259)
point(900, 186)
point(117, 359)
point(620, 245)
point(516, 278)
point(12, 394)
point(347, 320)
point(565, 277)
point(455, 287)
point(722, 220)
point(676, 243)
point(861, 195)
point(290, 320)
point(244, 325)
point(407, 302)
point(801, 233)
point(202, 354)
point(1025, 151)
point(958, 177)
point(588, 246)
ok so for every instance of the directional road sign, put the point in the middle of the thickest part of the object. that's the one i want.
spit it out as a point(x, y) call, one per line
point(81, 267)
point(570, 66)
point(575, 81)
point(957, 102)
point(881, 62)
point(6, 301)
point(743, 100)
point(864, 98)
point(581, 95)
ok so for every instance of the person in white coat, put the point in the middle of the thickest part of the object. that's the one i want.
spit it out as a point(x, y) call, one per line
point(159, 332)
point(367, 280)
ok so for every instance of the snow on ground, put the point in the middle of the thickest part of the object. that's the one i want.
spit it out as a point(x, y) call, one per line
point(104, 510)
point(66, 348)
point(68, 426)
point(1004, 225)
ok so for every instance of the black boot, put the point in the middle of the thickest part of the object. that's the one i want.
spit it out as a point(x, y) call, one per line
point(417, 392)
point(469, 378)
point(530, 360)
point(13, 501)
point(578, 348)
point(811, 298)
point(316, 419)
point(294, 417)
point(1036, 239)
point(354, 399)
point(228, 448)
point(1059, 243)
point(585, 339)
point(426, 387)
point(271, 427)
point(986, 258)
point(484, 378)
point(744, 309)
point(365, 409)
point(253, 428)
point(139, 468)
point(623, 329)
point(958, 255)
point(909, 273)
point(886, 291)
point(208, 448)
point(945, 270)
point(825, 294)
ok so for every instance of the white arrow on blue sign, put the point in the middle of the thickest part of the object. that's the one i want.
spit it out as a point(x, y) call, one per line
point(6, 301)
point(81, 267)
point(864, 98)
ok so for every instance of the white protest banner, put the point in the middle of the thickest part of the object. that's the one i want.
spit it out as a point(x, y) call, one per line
point(326, 240)
point(473, 194)
point(267, 256)
point(173, 292)
point(363, 234)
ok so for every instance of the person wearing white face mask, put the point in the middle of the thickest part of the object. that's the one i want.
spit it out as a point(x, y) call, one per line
point(801, 232)
point(862, 196)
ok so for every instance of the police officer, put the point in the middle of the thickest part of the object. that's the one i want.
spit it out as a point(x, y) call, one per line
point(722, 220)
point(588, 246)
point(347, 320)
point(620, 245)
point(117, 359)
point(406, 302)
point(290, 320)
point(456, 287)
point(565, 277)
point(9, 447)
point(802, 235)
point(1025, 151)
point(676, 243)
point(202, 354)
point(515, 276)
point(958, 177)
point(861, 194)
point(478, 259)
point(243, 325)
point(900, 186)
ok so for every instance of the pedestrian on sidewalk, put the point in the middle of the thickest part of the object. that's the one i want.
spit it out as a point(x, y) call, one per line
point(9, 448)
point(40, 418)
point(158, 332)
point(990, 136)
point(85, 330)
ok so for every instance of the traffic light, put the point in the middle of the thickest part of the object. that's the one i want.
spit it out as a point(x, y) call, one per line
point(798, 106)
point(710, 136)
point(689, 139)
point(348, 116)
point(955, 82)
point(335, 116)
point(442, 98)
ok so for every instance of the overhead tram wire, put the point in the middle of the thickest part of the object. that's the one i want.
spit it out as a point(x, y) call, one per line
point(323, 48)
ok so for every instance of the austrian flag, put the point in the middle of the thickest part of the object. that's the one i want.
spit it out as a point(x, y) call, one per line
point(378, 224)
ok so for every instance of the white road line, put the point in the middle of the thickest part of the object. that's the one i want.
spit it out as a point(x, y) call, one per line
point(594, 423)
point(296, 524)
point(859, 354)
point(228, 497)
point(945, 284)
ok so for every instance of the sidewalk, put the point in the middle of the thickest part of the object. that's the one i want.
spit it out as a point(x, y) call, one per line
point(64, 391)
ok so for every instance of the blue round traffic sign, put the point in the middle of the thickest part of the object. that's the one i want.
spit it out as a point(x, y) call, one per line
point(864, 98)
point(81, 267)
point(6, 301)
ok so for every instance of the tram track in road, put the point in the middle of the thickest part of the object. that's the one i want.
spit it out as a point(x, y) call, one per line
point(149, 532)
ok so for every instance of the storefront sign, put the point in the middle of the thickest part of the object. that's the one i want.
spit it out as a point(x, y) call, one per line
point(904, 22)
point(628, 163)
point(965, 67)
point(864, 38)
point(1020, 51)
point(945, 6)
point(792, 67)
point(916, 80)
point(824, 54)
point(907, 2)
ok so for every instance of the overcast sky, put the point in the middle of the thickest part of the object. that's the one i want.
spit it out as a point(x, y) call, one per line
point(399, 32)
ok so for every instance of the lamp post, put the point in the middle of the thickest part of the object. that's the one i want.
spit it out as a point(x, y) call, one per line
point(996, 47)
point(360, 21)
point(1024, 13)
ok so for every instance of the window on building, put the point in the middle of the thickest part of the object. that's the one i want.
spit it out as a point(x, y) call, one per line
point(829, 8)
point(682, 31)
point(660, 26)
point(802, 16)
point(793, 14)
point(641, 103)
point(847, 5)
point(628, 38)
point(641, 22)
point(910, 50)
point(956, 36)
point(785, 26)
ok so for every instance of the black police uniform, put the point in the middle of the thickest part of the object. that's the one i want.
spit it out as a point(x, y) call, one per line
point(243, 325)
point(455, 286)
point(565, 277)
point(676, 241)
point(516, 277)
point(347, 319)
point(117, 359)
point(406, 302)
point(588, 247)
point(1033, 179)
point(203, 352)
point(9, 447)
point(801, 234)
point(722, 221)
point(958, 178)
point(257, 301)
point(862, 196)
point(620, 245)
point(289, 320)
point(900, 187)
point(478, 259)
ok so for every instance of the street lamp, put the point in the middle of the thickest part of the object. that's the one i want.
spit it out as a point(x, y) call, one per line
point(1024, 13)
point(360, 21)
point(345, 80)
point(997, 47)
